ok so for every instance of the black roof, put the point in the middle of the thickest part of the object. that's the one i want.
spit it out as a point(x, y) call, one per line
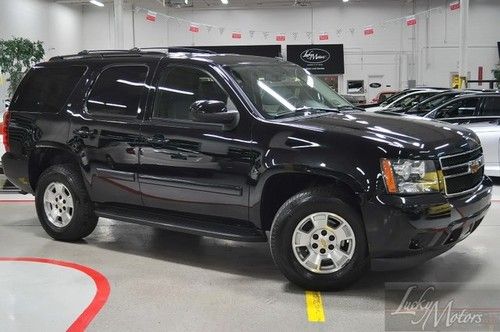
point(160, 52)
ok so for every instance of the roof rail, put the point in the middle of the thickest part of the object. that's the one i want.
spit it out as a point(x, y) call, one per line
point(131, 52)
point(176, 49)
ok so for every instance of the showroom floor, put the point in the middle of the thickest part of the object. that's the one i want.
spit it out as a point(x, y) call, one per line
point(161, 280)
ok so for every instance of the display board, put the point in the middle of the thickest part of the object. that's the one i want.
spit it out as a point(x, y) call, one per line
point(270, 51)
point(318, 59)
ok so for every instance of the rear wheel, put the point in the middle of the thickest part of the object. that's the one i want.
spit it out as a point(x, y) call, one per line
point(63, 205)
point(318, 240)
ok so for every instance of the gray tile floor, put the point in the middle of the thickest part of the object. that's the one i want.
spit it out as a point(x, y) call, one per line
point(167, 281)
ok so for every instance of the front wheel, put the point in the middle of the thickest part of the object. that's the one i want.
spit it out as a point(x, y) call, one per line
point(318, 240)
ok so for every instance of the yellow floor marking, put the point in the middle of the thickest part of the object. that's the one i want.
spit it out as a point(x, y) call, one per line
point(314, 306)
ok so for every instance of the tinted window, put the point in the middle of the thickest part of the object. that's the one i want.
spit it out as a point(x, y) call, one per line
point(46, 89)
point(118, 91)
point(492, 106)
point(412, 100)
point(180, 87)
point(459, 108)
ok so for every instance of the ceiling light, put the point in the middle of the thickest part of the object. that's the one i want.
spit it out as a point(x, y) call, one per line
point(97, 3)
point(345, 0)
point(225, 2)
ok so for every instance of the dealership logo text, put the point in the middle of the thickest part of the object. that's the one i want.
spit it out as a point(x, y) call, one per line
point(315, 55)
point(428, 311)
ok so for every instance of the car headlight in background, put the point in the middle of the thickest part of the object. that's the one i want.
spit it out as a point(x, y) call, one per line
point(405, 176)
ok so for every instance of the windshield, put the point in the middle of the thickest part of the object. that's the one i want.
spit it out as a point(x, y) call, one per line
point(286, 90)
point(433, 102)
point(394, 97)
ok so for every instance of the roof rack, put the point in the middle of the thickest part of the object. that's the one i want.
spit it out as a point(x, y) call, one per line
point(176, 49)
point(136, 51)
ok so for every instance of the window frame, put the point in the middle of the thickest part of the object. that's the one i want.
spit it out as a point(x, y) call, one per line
point(143, 95)
point(166, 68)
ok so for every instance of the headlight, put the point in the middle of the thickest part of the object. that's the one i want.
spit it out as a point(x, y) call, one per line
point(404, 176)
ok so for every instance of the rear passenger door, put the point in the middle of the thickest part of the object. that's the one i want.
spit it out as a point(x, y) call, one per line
point(106, 132)
point(188, 166)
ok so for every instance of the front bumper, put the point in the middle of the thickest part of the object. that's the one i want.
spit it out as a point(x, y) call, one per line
point(406, 231)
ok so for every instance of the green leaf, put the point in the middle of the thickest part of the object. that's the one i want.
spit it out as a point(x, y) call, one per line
point(17, 55)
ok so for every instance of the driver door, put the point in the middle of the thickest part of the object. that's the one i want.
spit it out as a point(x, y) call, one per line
point(188, 166)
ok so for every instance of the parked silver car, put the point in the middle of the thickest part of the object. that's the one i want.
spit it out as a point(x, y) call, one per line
point(480, 113)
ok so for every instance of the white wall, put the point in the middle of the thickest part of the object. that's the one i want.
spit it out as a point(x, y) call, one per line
point(58, 26)
point(389, 52)
point(433, 43)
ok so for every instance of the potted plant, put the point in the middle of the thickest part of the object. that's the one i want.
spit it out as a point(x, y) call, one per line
point(16, 56)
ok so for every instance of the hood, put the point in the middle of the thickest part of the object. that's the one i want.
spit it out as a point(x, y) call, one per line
point(404, 135)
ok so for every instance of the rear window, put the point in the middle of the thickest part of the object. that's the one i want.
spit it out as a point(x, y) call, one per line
point(46, 89)
point(118, 91)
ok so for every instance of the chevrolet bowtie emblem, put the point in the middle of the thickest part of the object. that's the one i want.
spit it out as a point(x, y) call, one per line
point(474, 166)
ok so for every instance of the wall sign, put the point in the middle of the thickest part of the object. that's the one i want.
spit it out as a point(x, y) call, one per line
point(318, 59)
point(375, 85)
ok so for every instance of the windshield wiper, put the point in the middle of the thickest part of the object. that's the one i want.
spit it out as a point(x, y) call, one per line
point(349, 107)
point(304, 110)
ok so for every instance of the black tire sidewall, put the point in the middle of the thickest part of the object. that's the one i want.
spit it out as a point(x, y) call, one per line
point(81, 219)
point(287, 219)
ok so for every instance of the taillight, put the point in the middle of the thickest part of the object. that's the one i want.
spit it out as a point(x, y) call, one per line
point(5, 131)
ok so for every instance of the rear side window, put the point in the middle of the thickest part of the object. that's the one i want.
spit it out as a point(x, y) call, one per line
point(46, 89)
point(118, 91)
point(491, 106)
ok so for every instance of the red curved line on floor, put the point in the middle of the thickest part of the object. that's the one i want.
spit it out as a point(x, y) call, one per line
point(100, 297)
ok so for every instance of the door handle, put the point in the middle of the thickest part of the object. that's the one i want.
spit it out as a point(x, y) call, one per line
point(156, 140)
point(85, 132)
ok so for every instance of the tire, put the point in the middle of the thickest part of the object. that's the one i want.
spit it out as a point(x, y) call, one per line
point(82, 221)
point(298, 210)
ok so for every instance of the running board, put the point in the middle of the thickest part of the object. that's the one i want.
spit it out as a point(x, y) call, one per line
point(182, 223)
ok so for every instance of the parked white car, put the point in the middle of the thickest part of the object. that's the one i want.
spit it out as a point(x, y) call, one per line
point(480, 113)
point(406, 101)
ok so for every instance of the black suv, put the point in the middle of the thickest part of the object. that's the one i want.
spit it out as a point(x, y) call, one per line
point(233, 146)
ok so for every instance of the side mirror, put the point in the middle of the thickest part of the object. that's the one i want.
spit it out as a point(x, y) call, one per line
point(214, 111)
point(7, 103)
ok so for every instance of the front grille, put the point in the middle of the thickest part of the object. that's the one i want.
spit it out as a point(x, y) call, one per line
point(461, 158)
point(462, 172)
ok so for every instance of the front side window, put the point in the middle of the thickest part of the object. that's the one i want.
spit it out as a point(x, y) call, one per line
point(285, 90)
point(491, 106)
point(118, 91)
point(179, 87)
point(459, 108)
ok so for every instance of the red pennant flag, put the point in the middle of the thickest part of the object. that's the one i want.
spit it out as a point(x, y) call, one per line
point(151, 16)
point(194, 28)
point(455, 5)
point(411, 20)
point(368, 31)
point(236, 35)
point(324, 36)
point(281, 37)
